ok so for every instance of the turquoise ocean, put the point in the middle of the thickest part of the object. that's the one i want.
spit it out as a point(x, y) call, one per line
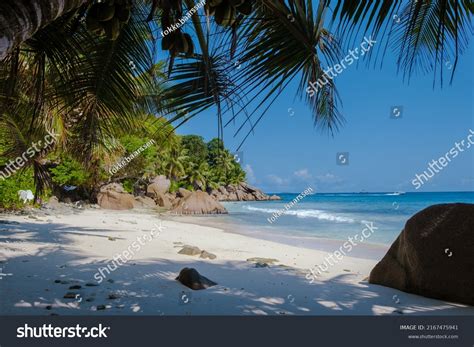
point(324, 220)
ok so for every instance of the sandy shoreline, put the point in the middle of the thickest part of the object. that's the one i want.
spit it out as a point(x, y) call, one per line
point(71, 248)
point(366, 250)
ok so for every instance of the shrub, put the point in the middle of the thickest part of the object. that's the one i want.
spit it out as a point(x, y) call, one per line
point(9, 188)
point(69, 172)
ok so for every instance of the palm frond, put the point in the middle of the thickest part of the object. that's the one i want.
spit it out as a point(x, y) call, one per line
point(427, 35)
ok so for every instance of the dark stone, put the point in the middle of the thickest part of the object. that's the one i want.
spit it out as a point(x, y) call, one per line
point(75, 287)
point(258, 264)
point(193, 279)
point(91, 284)
point(70, 295)
point(433, 255)
point(2, 221)
point(262, 262)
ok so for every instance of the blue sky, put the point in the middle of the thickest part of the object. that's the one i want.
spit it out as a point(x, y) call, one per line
point(287, 154)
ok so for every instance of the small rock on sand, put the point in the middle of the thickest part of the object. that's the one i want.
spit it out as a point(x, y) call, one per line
point(91, 284)
point(2, 221)
point(207, 255)
point(70, 295)
point(262, 262)
point(190, 250)
point(193, 279)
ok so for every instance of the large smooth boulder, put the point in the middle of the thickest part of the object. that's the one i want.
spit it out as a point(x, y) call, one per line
point(198, 203)
point(433, 255)
point(231, 188)
point(144, 202)
point(193, 279)
point(183, 193)
point(113, 197)
point(163, 201)
point(161, 183)
point(53, 203)
point(116, 187)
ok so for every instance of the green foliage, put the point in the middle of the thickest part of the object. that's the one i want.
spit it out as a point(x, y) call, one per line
point(69, 172)
point(10, 186)
point(174, 186)
point(195, 145)
point(145, 156)
point(128, 185)
point(209, 165)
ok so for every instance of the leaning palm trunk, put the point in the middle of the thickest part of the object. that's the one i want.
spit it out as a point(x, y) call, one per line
point(21, 19)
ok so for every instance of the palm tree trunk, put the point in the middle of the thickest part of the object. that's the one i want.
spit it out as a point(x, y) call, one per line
point(21, 19)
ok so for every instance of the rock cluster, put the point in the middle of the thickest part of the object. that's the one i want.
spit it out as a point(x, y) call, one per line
point(240, 192)
point(157, 194)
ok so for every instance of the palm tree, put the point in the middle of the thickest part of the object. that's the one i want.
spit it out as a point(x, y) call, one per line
point(95, 83)
point(426, 35)
point(197, 175)
point(96, 87)
point(21, 20)
point(175, 162)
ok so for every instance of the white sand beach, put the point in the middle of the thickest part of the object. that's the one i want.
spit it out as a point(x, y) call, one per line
point(40, 251)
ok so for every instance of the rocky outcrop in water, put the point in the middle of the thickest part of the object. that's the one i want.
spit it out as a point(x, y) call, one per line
point(240, 192)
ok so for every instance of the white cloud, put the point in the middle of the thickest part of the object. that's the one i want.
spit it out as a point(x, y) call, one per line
point(303, 174)
point(250, 174)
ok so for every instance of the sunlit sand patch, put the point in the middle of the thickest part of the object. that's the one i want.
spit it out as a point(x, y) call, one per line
point(272, 301)
point(330, 304)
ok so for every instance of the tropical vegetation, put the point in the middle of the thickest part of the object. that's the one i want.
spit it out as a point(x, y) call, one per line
point(102, 75)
